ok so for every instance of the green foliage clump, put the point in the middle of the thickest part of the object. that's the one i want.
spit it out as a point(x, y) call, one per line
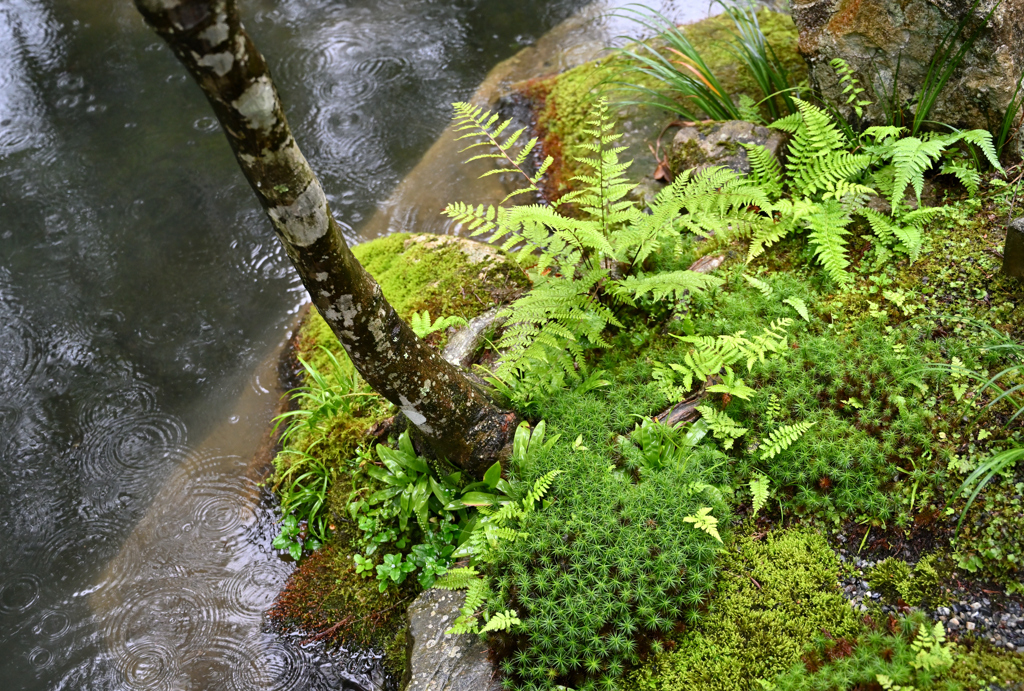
point(612, 565)
point(991, 538)
point(855, 386)
point(575, 292)
point(773, 599)
point(913, 655)
point(918, 587)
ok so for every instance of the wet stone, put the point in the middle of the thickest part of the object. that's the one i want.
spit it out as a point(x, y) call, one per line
point(719, 144)
point(439, 661)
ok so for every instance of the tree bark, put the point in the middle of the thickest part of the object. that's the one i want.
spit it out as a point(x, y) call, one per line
point(456, 419)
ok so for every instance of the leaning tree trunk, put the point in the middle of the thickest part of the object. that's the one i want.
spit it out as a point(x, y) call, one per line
point(459, 422)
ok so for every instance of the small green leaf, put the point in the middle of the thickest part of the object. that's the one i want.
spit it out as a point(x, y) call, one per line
point(759, 491)
point(492, 475)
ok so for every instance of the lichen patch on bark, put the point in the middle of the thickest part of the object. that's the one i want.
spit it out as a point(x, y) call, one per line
point(305, 220)
point(256, 104)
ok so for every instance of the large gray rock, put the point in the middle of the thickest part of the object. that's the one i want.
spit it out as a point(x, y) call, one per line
point(718, 144)
point(871, 35)
point(440, 662)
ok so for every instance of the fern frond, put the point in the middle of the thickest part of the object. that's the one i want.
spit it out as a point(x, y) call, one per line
point(676, 284)
point(783, 438)
point(791, 123)
point(762, 287)
point(502, 621)
point(800, 306)
point(983, 140)
point(766, 235)
point(723, 427)
point(540, 488)
point(828, 231)
point(965, 172)
point(703, 520)
point(911, 157)
point(457, 579)
point(765, 169)
point(882, 132)
point(759, 491)
point(711, 355)
point(476, 122)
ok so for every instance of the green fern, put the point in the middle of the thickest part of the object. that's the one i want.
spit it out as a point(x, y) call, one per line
point(703, 520)
point(491, 529)
point(714, 355)
point(828, 236)
point(567, 311)
point(421, 326)
point(965, 172)
point(765, 169)
point(458, 578)
point(800, 306)
point(759, 492)
point(502, 621)
point(475, 122)
point(762, 287)
point(818, 159)
point(723, 427)
point(783, 438)
point(852, 89)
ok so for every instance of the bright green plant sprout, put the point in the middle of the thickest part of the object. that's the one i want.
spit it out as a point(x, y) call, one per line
point(759, 485)
point(421, 326)
point(703, 520)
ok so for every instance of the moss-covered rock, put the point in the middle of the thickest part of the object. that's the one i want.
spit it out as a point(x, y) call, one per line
point(564, 101)
point(327, 599)
point(774, 597)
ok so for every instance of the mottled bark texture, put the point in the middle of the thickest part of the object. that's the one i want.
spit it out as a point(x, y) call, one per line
point(456, 419)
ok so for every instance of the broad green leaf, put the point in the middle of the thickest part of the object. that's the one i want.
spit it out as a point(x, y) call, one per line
point(492, 475)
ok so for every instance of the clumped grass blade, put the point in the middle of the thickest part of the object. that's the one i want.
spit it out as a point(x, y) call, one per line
point(1006, 133)
point(688, 76)
point(752, 50)
point(989, 469)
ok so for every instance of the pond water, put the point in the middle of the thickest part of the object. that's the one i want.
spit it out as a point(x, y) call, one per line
point(144, 300)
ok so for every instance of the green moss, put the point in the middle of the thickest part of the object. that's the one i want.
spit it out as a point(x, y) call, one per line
point(889, 577)
point(979, 664)
point(773, 598)
point(837, 665)
point(689, 155)
point(611, 562)
point(918, 587)
point(425, 272)
point(326, 599)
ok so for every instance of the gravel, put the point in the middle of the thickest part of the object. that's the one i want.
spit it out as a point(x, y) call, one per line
point(1000, 621)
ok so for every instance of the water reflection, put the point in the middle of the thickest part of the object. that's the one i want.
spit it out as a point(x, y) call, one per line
point(140, 287)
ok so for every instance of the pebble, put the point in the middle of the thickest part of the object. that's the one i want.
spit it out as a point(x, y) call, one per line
point(1001, 622)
